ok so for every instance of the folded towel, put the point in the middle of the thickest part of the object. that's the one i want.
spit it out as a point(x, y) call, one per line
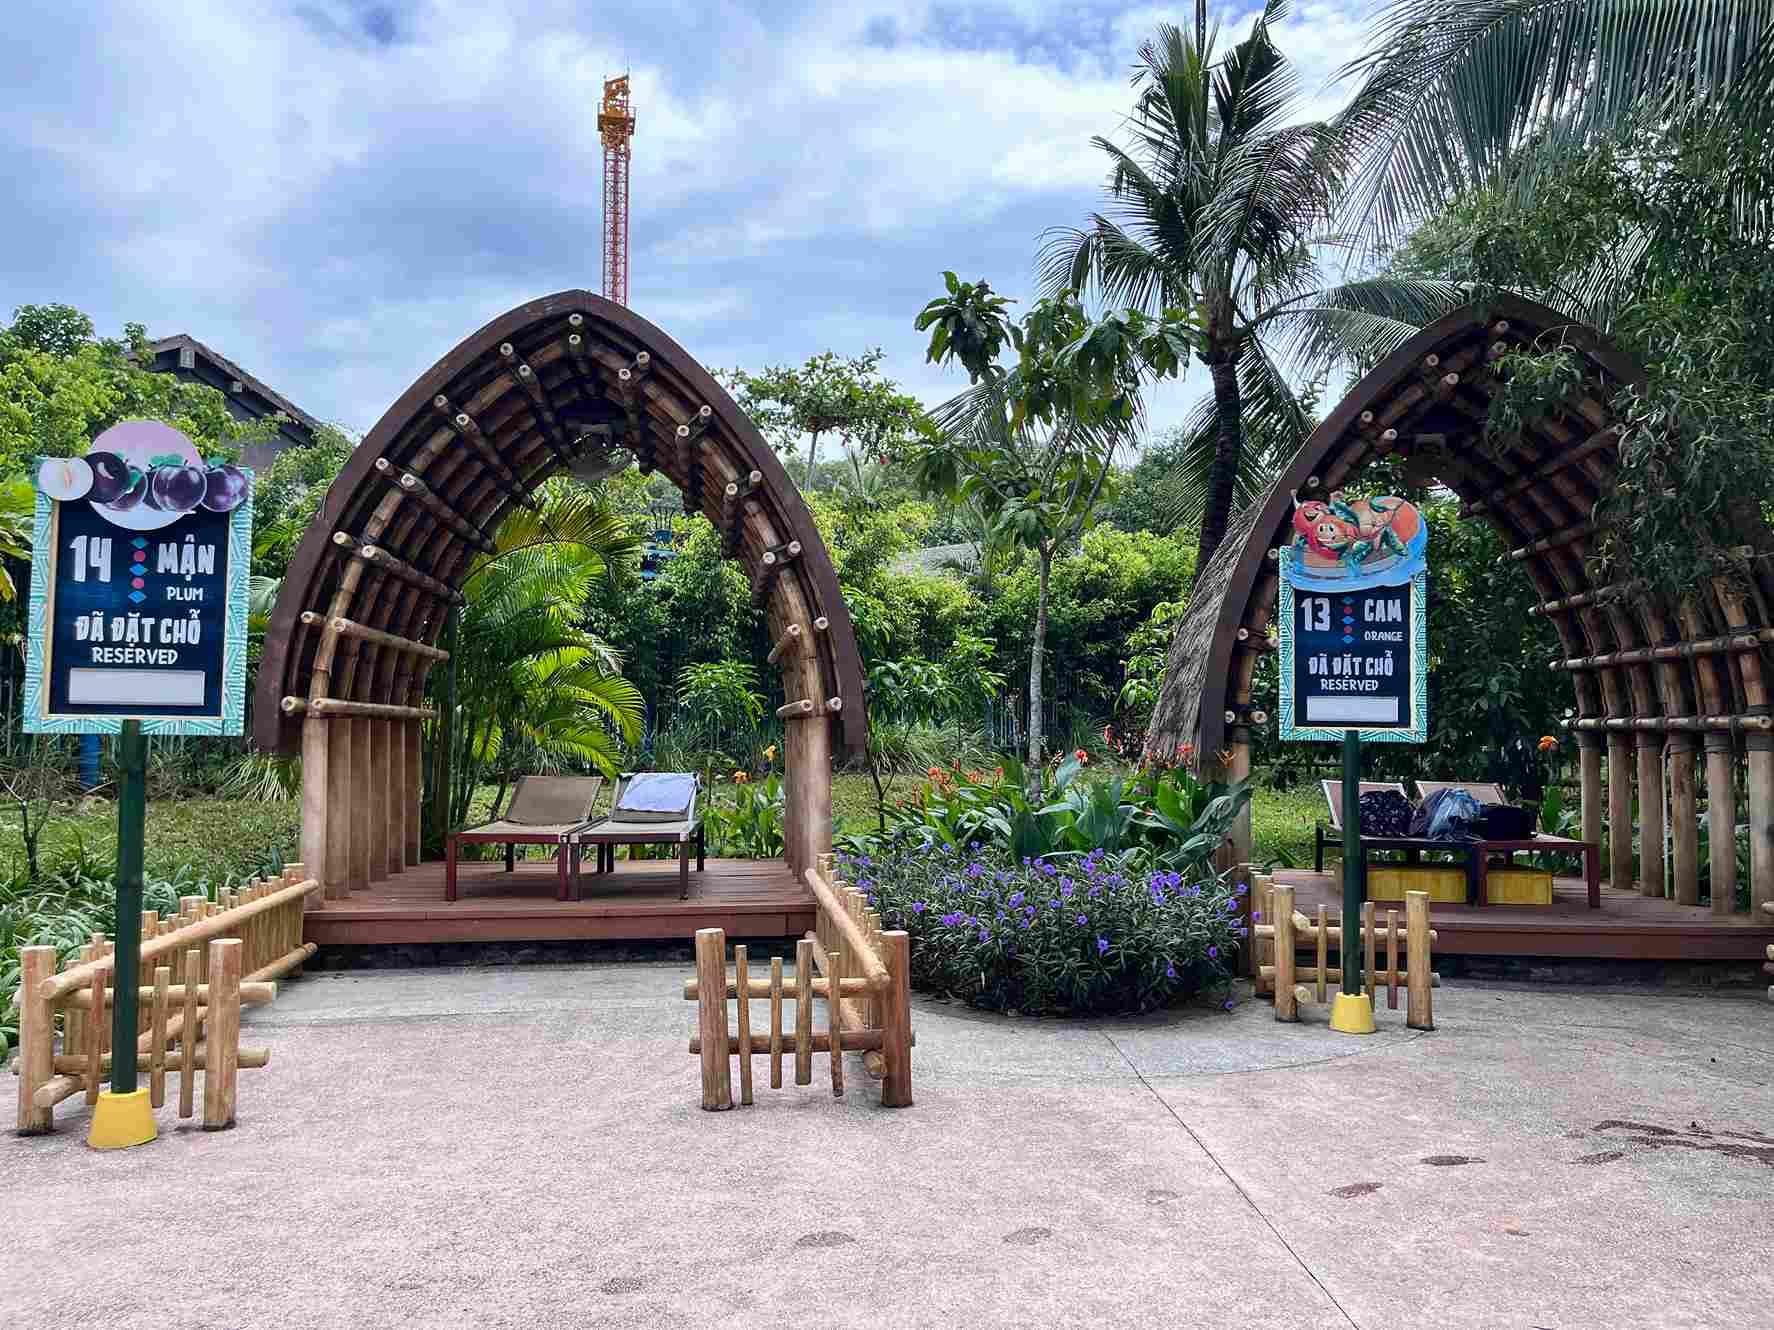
point(658, 792)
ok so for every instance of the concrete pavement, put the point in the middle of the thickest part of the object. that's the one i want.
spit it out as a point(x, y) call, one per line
point(523, 1147)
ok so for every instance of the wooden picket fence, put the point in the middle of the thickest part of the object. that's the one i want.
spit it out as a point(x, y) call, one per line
point(205, 961)
point(863, 974)
point(1283, 930)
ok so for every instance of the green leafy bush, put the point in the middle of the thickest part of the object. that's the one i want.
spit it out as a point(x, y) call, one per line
point(1157, 819)
point(1045, 937)
point(749, 826)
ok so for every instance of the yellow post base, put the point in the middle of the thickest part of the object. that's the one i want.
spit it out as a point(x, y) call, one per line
point(1352, 1013)
point(122, 1120)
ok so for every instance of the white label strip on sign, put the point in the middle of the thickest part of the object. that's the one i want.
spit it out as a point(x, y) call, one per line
point(1352, 710)
point(125, 688)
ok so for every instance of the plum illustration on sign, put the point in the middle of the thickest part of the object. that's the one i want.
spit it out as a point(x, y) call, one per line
point(138, 607)
point(1353, 604)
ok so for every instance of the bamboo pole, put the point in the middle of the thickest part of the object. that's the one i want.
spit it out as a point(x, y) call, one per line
point(852, 1041)
point(761, 988)
point(96, 1025)
point(804, 1012)
point(711, 1019)
point(222, 1035)
point(157, 1034)
point(1620, 812)
point(847, 934)
point(361, 808)
point(1419, 1008)
point(315, 740)
point(1589, 769)
point(1721, 821)
point(896, 1021)
point(189, 1030)
point(1286, 1004)
point(333, 707)
point(1650, 816)
point(338, 798)
point(1761, 823)
point(393, 641)
point(414, 750)
point(247, 1058)
point(255, 994)
point(788, 642)
point(1333, 974)
point(395, 837)
point(776, 1022)
point(1369, 941)
point(1392, 960)
point(1318, 992)
point(834, 1017)
point(1684, 816)
point(742, 987)
point(36, 1034)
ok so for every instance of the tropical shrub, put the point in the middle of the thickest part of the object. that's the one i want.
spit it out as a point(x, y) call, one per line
point(1045, 937)
point(749, 825)
point(1157, 820)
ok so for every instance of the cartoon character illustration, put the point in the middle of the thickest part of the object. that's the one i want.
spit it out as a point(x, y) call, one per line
point(1342, 538)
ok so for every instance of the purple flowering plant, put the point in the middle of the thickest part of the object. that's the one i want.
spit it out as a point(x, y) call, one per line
point(984, 931)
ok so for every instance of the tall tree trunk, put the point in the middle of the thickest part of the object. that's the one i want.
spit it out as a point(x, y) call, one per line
point(812, 461)
point(1045, 553)
point(1222, 479)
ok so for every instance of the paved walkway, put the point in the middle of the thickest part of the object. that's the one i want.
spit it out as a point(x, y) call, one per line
point(524, 1148)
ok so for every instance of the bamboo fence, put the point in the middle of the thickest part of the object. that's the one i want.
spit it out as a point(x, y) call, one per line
point(1282, 930)
point(205, 962)
point(860, 972)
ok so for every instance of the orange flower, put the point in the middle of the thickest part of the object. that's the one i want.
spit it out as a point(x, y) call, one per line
point(740, 778)
point(1547, 743)
point(935, 773)
point(1082, 756)
point(770, 753)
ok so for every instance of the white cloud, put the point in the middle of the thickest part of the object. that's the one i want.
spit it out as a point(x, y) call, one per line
point(335, 211)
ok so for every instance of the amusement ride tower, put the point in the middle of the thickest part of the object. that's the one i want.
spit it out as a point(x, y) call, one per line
point(615, 123)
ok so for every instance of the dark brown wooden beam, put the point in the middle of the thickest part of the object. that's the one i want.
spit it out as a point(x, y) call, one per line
point(415, 488)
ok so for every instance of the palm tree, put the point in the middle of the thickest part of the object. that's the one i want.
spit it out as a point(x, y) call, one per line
point(1457, 96)
point(1218, 205)
point(531, 679)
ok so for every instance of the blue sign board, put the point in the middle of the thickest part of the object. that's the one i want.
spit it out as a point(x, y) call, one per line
point(138, 607)
point(1353, 615)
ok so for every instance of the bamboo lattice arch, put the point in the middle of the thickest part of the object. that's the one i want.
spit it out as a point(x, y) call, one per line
point(1657, 683)
point(561, 382)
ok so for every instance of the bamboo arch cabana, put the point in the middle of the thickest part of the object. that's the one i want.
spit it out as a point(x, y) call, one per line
point(569, 382)
point(1656, 683)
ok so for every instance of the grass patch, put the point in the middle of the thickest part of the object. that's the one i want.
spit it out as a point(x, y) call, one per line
point(1281, 823)
point(217, 838)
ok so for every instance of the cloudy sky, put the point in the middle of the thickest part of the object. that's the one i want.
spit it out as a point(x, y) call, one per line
point(333, 193)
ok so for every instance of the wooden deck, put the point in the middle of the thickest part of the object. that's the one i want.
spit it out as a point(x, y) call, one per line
point(1627, 927)
point(758, 898)
point(748, 898)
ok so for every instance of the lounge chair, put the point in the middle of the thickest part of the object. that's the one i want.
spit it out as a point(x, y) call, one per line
point(544, 810)
point(1322, 838)
point(652, 808)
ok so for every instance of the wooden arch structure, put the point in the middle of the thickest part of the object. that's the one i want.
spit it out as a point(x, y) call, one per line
point(569, 383)
point(1657, 683)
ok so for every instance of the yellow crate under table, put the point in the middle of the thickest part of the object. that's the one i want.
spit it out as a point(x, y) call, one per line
point(1389, 882)
point(1518, 886)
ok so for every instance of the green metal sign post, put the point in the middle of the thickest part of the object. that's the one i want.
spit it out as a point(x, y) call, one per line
point(132, 813)
point(1354, 887)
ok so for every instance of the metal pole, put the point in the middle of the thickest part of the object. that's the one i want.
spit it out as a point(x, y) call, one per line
point(132, 812)
point(1354, 887)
